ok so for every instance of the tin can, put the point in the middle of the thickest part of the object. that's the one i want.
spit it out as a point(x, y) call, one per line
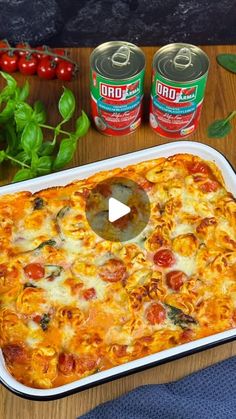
point(116, 87)
point(178, 84)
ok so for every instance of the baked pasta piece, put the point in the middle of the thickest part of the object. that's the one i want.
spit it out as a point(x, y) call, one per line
point(72, 304)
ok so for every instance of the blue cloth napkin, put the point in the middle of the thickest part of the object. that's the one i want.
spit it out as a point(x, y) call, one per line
point(208, 394)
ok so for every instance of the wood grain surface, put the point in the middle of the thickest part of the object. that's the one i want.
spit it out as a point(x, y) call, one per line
point(220, 100)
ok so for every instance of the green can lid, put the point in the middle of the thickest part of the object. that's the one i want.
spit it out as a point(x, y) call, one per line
point(117, 60)
point(181, 62)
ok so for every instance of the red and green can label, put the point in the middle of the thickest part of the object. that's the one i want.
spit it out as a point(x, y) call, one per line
point(116, 104)
point(175, 108)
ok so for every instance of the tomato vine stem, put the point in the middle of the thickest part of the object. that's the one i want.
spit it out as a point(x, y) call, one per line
point(44, 52)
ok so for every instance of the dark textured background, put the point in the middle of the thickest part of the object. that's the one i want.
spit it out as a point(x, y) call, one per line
point(144, 22)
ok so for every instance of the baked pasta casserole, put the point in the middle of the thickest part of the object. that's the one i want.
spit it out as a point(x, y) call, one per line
point(73, 304)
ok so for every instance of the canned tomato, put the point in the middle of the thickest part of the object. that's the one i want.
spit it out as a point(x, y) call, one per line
point(178, 84)
point(116, 86)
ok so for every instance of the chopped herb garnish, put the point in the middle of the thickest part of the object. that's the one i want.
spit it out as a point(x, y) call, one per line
point(46, 243)
point(44, 322)
point(38, 203)
point(178, 317)
point(63, 211)
point(29, 285)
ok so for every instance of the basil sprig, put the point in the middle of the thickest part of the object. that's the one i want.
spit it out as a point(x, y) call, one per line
point(22, 128)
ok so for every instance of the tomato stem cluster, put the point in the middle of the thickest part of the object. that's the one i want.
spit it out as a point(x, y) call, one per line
point(43, 52)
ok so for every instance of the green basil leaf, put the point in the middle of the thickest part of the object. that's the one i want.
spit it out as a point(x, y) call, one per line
point(10, 137)
point(34, 160)
point(46, 148)
point(23, 113)
point(2, 155)
point(39, 115)
point(82, 125)
point(23, 174)
point(219, 129)
point(228, 61)
point(44, 165)
point(8, 111)
point(11, 82)
point(67, 104)
point(65, 154)
point(31, 138)
point(22, 157)
point(24, 92)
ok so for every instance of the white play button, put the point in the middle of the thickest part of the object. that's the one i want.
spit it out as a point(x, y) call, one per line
point(116, 209)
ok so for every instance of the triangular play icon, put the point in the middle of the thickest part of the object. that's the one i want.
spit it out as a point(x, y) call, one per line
point(117, 209)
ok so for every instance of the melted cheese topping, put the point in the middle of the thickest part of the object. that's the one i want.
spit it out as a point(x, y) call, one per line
point(72, 303)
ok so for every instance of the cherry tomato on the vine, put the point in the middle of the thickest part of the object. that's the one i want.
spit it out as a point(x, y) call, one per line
point(47, 69)
point(3, 44)
point(60, 52)
point(40, 50)
point(23, 46)
point(65, 71)
point(28, 65)
point(9, 61)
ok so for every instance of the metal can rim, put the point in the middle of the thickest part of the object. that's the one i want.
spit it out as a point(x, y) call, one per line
point(117, 43)
point(181, 44)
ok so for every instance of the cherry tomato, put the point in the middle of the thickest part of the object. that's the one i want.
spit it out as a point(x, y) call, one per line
point(66, 363)
point(60, 52)
point(28, 65)
point(155, 313)
point(3, 44)
point(40, 54)
point(14, 352)
point(113, 271)
point(65, 71)
point(164, 258)
point(22, 46)
point(46, 69)
point(210, 186)
point(186, 335)
point(9, 62)
point(89, 294)
point(34, 271)
point(199, 167)
point(37, 318)
point(85, 363)
point(175, 279)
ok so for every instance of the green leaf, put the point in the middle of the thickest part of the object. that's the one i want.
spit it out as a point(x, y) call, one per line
point(8, 111)
point(24, 92)
point(23, 113)
point(39, 115)
point(82, 125)
point(44, 165)
point(67, 104)
point(228, 61)
point(65, 154)
point(34, 160)
point(23, 174)
point(11, 82)
point(10, 137)
point(219, 129)
point(22, 157)
point(32, 138)
point(2, 155)
point(47, 148)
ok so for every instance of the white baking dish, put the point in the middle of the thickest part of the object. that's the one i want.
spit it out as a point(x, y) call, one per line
point(67, 176)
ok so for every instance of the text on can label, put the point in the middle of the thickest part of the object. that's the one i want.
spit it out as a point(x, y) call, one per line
point(119, 92)
point(175, 94)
